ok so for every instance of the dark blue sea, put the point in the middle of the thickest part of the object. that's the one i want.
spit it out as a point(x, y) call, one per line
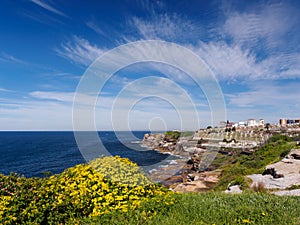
point(34, 153)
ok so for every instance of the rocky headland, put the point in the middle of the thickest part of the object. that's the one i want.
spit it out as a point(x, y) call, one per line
point(189, 175)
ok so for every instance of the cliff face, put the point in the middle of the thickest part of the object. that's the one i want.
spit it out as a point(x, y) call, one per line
point(163, 143)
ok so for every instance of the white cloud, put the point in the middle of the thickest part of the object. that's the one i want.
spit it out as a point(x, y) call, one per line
point(79, 51)
point(271, 100)
point(35, 115)
point(267, 94)
point(58, 96)
point(101, 30)
point(5, 90)
point(48, 7)
point(141, 99)
point(228, 62)
point(233, 62)
point(269, 23)
point(259, 50)
point(150, 6)
point(167, 27)
point(4, 57)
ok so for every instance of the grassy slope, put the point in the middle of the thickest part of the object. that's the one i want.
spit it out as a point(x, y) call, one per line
point(216, 208)
point(235, 167)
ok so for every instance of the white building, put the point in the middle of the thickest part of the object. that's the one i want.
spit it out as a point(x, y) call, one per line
point(251, 123)
point(242, 124)
point(261, 122)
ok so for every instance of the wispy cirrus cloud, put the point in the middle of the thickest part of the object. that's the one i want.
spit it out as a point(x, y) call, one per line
point(167, 27)
point(266, 25)
point(233, 62)
point(150, 6)
point(258, 49)
point(95, 28)
point(5, 90)
point(4, 57)
point(48, 7)
point(226, 61)
point(57, 96)
point(45, 71)
point(79, 51)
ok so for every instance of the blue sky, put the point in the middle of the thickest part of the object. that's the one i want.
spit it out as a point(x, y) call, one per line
point(252, 47)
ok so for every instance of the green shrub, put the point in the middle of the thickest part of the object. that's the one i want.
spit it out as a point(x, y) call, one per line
point(172, 135)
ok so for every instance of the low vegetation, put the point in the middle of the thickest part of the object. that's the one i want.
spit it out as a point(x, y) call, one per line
point(213, 208)
point(172, 135)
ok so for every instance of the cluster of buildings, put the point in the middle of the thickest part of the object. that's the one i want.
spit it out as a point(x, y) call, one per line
point(257, 123)
point(284, 121)
point(248, 123)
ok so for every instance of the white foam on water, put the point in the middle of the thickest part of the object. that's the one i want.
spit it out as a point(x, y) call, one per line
point(173, 162)
point(153, 170)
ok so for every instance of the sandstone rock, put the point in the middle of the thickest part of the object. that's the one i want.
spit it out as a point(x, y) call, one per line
point(272, 183)
point(289, 168)
point(212, 179)
point(196, 178)
point(195, 186)
point(295, 192)
point(234, 190)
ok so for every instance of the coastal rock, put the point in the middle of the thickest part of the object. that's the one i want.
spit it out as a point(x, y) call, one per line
point(280, 175)
point(190, 177)
point(235, 189)
point(198, 182)
point(294, 154)
point(160, 142)
point(295, 192)
point(153, 140)
point(272, 172)
point(195, 186)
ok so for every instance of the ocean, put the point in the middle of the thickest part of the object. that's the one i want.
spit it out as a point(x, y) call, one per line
point(33, 154)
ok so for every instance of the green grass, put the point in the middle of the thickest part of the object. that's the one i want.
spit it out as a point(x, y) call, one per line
point(187, 134)
point(172, 135)
point(214, 208)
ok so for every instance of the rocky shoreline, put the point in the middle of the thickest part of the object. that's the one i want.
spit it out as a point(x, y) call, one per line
point(187, 178)
point(279, 177)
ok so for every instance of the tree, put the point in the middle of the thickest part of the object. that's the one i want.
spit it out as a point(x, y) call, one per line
point(267, 126)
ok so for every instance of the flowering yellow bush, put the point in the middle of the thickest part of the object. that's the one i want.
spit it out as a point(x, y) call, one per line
point(120, 170)
point(104, 185)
